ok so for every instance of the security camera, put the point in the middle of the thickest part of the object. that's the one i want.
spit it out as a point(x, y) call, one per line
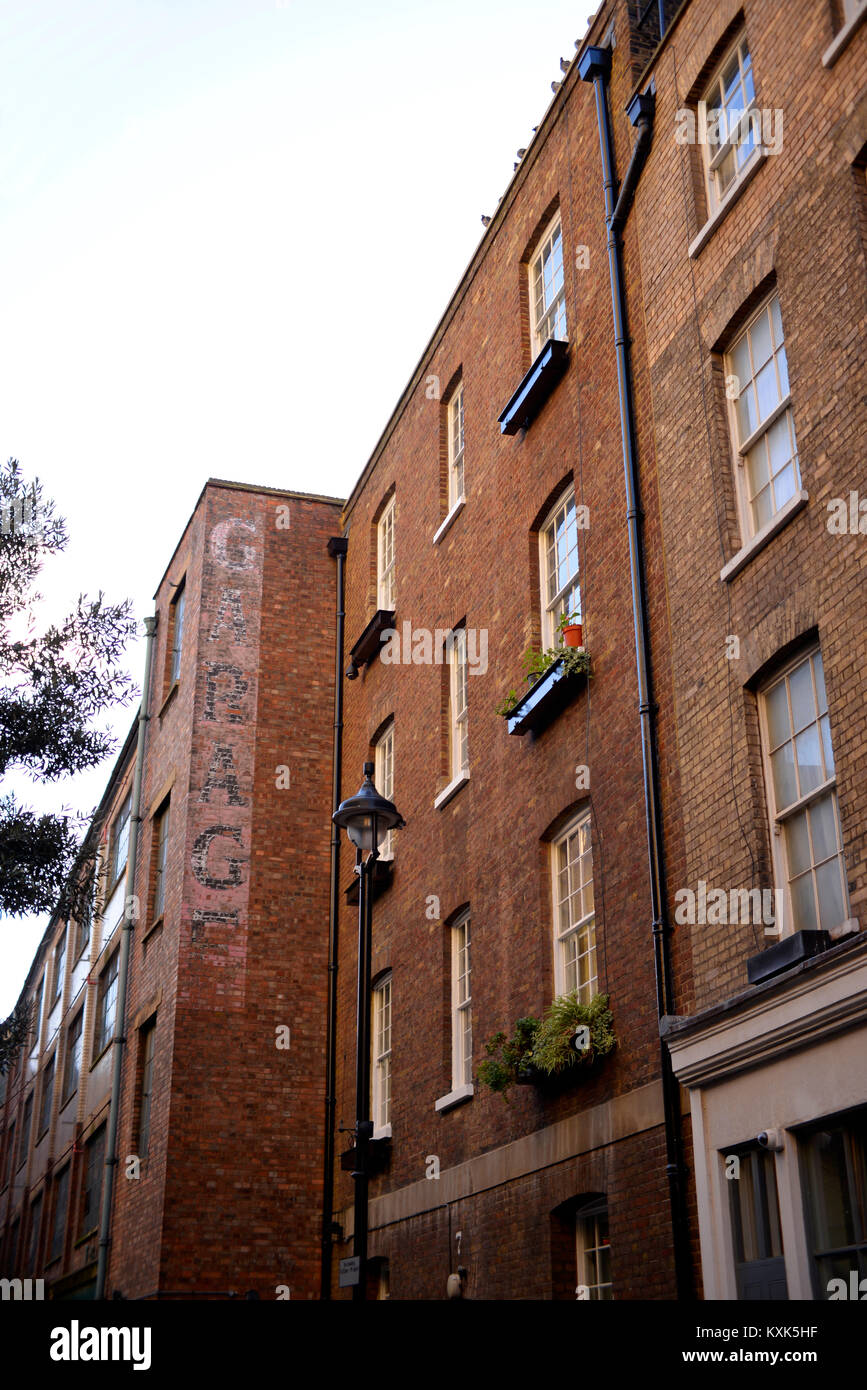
point(770, 1139)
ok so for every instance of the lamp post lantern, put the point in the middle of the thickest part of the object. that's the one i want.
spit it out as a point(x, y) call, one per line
point(367, 818)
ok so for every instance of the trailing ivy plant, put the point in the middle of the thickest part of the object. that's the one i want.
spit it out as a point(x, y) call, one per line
point(507, 1057)
point(543, 1047)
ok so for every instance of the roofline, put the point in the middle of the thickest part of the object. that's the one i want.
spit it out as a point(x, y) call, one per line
point(244, 487)
point(601, 21)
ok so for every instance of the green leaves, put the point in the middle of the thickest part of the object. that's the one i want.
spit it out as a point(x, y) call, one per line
point(54, 685)
point(545, 1045)
point(552, 1050)
point(14, 1033)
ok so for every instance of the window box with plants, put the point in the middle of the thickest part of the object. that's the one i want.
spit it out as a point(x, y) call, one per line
point(554, 677)
point(565, 1043)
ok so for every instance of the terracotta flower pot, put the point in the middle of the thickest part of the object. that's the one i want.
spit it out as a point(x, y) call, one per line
point(573, 635)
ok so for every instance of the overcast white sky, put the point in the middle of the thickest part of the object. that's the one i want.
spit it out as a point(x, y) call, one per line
point(216, 218)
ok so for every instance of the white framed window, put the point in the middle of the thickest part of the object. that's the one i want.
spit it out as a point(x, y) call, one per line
point(119, 843)
point(728, 97)
point(548, 288)
point(462, 1004)
point(802, 799)
point(106, 1005)
point(574, 918)
point(72, 1069)
point(59, 966)
point(764, 429)
point(593, 1251)
point(384, 779)
point(380, 1072)
point(458, 739)
point(456, 446)
point(385, 558)
point(176, 633)
point(161, 843)
point(47, 1099)
point(558, 556)
point(37, 1016)
point(146, 1045)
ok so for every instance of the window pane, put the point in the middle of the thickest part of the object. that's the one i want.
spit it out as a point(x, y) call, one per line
point(761, 340)
point(804, 904)
point(757, 467)
point(783, 769)
point(803, 702)
point(830, 892)
point(784, 486)
point(749, 89)
point(740, 361)
point(823, 830)
point(797, 843)
point(833, 1210)
point(763, 508)
point(779, 443)
point(809, 760)
point(777, 708)
point(766, 390)
point(826, 745)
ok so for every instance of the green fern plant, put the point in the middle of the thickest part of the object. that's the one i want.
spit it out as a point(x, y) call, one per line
point(552, 1049)
point(544, 1046)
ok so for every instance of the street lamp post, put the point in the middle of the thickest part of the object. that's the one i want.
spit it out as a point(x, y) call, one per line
point(367, 818)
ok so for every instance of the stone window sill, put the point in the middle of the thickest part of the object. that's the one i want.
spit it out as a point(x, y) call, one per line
point(455, 1097)
point(452, 516)
point(761, 538)
point(453, 787)
point(841, 39)
point(728, 202)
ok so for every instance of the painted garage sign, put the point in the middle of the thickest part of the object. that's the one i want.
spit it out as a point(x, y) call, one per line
point(221, 780)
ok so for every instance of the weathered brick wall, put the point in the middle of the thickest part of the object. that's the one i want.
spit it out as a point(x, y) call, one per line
point(486, 847)
point(237, 1121)
point(797, 225)
point(513, 1246)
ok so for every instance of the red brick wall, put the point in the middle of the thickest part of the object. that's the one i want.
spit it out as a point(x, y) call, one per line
point(236, 1123)
point(486, 847)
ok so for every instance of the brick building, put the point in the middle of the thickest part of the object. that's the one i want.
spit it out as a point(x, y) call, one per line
point(640, 410)
point(732, 274)
point(523, 869)
point(228, 957)
point(749, 279)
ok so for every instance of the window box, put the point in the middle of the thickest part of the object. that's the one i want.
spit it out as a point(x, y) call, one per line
point(370, 641)
point(535, 388)
point(546, 698)
point(383, 870)
point(800, 946)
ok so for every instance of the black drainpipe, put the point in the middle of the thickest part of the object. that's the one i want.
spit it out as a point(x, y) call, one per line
point(337, 548)
point(595, 67)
